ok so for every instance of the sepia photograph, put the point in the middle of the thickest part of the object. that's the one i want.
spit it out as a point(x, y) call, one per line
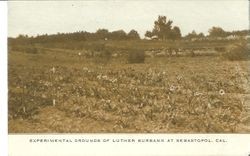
point(119, 66)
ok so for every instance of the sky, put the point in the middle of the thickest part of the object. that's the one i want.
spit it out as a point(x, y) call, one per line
point(41, 17)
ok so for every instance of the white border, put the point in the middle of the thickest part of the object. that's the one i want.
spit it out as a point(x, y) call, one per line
point(237, 144)
point(3, 79)
point(220, 145)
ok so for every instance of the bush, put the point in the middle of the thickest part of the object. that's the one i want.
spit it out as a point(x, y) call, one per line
point(237, 52)
point(136, 56)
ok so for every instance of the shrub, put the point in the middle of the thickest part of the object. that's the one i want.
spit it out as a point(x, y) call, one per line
point(136, 56)
point(237, 52)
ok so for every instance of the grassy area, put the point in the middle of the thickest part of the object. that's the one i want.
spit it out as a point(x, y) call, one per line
point(56, 90)
point(133, 44)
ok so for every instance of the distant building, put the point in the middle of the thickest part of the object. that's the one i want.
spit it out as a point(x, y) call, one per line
point(152, 38)
point(147, 38)
point(231, 37)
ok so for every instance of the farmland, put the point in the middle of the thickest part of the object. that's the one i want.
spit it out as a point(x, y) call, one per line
point(61, 89)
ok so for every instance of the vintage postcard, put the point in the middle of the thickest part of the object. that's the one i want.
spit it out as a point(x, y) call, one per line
point(143, 75)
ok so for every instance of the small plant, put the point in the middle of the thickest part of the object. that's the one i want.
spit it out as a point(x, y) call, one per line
point(136, 56)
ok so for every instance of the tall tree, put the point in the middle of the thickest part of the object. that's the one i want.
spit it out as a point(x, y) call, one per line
point(163, 29)
point(133, 34)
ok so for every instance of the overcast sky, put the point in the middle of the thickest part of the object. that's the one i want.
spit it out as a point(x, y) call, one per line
point(40, 17)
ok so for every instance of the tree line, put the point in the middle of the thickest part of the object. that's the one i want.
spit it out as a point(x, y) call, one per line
point(163, 29)
point(217, 32)
point(100, 34)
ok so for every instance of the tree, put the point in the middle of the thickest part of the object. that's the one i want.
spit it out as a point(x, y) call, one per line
point(193, 34)
point(200, 35)
point(102, 33)
point(148, 34)
point(175, 33)
point(133, 34)
point(21, 36)
point(217, 32)
point(239, 33)
point(163, 29)
point(118, 35)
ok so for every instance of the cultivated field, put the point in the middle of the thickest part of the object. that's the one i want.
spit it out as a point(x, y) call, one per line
point(61, 90)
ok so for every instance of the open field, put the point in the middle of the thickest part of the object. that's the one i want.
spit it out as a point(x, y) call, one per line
point(56, 90)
